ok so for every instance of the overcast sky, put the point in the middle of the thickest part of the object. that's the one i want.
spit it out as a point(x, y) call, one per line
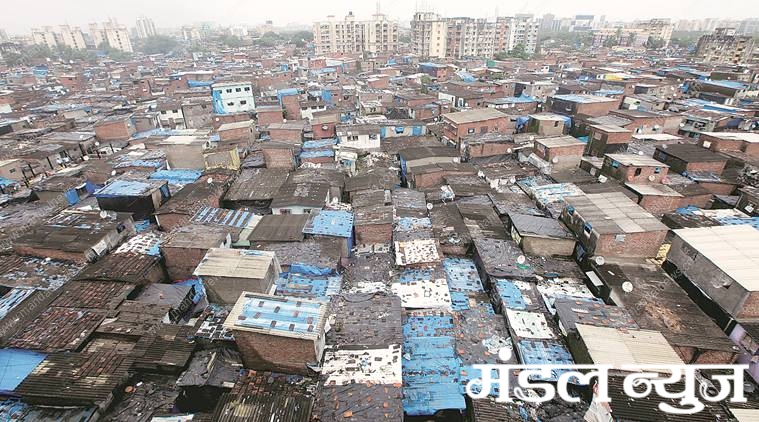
point(172, 13)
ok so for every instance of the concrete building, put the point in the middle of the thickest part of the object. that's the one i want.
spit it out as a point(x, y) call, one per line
point(378, 35)
point(44, 36)
point(145, 27)
point(233, 97)
point(610, 224)
point(461, 37)
point(278, 333)
point(71, 37)
point(724, 46)
point(113, 34)
point(228, 273)
point(429, 32)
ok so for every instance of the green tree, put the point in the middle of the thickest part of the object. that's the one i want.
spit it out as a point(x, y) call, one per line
point(518, 52)
point(655, 43)
point(300, 38)
point(13, 59)
point(113, 53)
point(612, 41)
point(231, 41)
point(158, 44)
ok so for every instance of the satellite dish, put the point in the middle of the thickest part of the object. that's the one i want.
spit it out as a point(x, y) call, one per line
point(429, 206)
point(532, 138)
point(210, 180)
point(103, 214)
point(651, 178)
point(85, 157)
point(640, 152)
point(508, 150)
point(480, 174)
point(113, 173)
point(521, 259)
point(504, 354)
point(599, 260)
point(512, 180)
point(555, 160)
point(627, 287)
point(602, 179)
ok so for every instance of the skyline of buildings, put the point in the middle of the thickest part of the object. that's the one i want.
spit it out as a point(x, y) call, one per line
point(378, 34)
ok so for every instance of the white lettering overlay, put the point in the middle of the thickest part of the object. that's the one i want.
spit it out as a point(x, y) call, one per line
point(639, 382)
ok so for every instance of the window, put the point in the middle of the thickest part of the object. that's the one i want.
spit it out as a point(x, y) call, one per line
point(285, 211)
point(484, 129)
point(372, 136)
point(556, 123)
point(399, 129)
point(238, 89)
point(587, 228)
point(470, 130)
point(230, 103)
point(243, 102)
point(638, 171)
point(163, 111)
point(657, 170)
point(614, 164)
point(174, 111)
point(12, 171)
point(229, 89)
point(247, 88)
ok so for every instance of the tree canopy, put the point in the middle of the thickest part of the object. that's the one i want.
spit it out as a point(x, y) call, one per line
point(518, 52)
point(158, 44)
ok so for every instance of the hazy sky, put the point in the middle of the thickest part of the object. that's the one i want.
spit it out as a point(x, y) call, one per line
point(20, 17)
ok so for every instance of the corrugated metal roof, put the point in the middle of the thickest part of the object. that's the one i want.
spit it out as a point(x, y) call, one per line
point(734, 249)
point(223, 217)
point(128, 188)
point(276, 315)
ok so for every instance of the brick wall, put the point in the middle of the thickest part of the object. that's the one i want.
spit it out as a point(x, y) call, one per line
point(627, 174)
point(500, 125)
point(114, 131)
point(645, 244)
point(321, 133)
point(657, 204)
point(370, 234)
point(181, 262)
point(240, 133)
point(267, 117)
point(280, 158)
point(285, 134)
point(220, 119)
point(489, 149)
point(275, 353)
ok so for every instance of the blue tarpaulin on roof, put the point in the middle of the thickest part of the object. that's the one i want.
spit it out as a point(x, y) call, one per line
point(431, 370)
point(327, 96)
point(198, 84)
point(461, 274)
point(331, 223)
point(177, 176)
point(15, 365)
point(200, 288)
point(218, 103)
